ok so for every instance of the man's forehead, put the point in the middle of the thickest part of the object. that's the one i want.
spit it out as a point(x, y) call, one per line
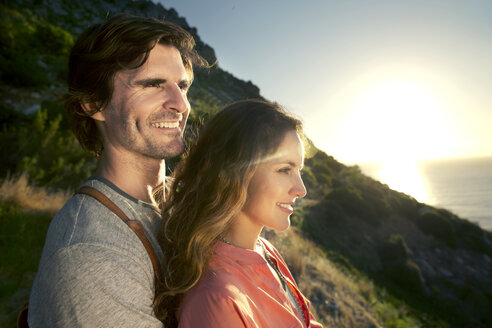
point(140, 73)
point(162, 60)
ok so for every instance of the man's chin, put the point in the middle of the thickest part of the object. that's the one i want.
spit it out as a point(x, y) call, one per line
point(172, 149)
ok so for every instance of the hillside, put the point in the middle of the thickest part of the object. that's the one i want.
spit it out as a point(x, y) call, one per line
point(366, 255)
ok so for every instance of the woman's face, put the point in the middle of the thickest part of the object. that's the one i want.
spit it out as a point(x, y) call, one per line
point(275, 186)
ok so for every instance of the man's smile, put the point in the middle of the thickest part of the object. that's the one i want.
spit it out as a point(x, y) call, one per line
point(166, 125)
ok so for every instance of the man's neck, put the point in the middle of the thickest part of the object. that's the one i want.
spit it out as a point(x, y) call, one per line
point(135, 177)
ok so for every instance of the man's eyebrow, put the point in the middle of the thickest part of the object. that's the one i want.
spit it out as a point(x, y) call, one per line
point(149, 81)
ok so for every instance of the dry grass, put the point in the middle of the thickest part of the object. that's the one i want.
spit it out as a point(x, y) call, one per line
point(19, 192)
point(337, 299)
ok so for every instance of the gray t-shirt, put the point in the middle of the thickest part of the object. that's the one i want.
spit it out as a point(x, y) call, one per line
point(94, 271)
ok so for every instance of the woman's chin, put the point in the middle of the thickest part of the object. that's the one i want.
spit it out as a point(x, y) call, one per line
point(281, 226)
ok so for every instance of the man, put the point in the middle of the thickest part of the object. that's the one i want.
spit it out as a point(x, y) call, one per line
point(127, 103)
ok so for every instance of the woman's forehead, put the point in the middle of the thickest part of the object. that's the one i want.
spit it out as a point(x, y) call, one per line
point(290, 151)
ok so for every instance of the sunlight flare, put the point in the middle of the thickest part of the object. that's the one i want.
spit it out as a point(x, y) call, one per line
point(394, 119)
point(404, 177)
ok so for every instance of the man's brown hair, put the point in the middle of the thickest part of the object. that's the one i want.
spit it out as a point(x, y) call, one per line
point(123, 42)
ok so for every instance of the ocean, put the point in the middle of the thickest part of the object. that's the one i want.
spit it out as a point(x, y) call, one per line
point(463, 186)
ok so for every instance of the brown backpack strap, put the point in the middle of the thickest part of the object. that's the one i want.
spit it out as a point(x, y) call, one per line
point(22, 317)
point(135, 225)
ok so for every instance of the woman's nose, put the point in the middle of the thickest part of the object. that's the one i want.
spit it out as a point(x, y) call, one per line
point(298, 189)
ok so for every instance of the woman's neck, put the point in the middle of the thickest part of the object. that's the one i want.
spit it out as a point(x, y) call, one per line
point(243, 234)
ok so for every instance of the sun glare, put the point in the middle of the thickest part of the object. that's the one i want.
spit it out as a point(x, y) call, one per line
point(395, 121)
point(404, 177)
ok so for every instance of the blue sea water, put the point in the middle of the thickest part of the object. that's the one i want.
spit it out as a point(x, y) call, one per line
point(463, 186)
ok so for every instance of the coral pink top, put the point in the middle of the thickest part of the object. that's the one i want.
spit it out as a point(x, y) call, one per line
point(238, 289)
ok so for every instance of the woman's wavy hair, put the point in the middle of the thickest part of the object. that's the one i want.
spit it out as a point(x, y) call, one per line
point(209, 189)
point(123, 42)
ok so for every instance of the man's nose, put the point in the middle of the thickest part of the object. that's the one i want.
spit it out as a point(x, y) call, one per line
point(178, 99)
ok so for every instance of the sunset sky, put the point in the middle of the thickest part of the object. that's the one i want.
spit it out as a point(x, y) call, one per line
point(378, 81)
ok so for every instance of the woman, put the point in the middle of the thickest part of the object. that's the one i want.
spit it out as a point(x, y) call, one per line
point(242, 175)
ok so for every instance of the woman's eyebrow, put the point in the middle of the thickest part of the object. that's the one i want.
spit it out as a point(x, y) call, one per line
point(288, 162)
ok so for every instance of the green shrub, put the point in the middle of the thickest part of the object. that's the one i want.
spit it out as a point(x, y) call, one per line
point(342, 263)
point(326, 160)
point(407, 275)
point(297, 218)
point(394, 249)
point(314, 223)
point(10, 116)
point(51, 39)
point(433, 223)
point(473, 237)
point(403, 204)
point(32, 50)
point(319, 220)
point(398, 267)
point(376, 200)
point(22, 70)
point(46, 151)
point(477, 298)
point(321, 168)
point(22, 236)
point(309, 179)
point(348, 198)
point(332, 212)
point(324, 180)
point(352, 203)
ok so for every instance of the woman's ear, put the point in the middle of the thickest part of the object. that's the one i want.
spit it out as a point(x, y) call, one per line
point(89, 108)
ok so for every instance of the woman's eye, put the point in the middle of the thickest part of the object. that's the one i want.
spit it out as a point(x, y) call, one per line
point(285, 170)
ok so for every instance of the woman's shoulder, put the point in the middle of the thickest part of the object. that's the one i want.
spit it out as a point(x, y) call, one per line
point(215, 290)
point(219, 281)
point(214, 303)
point(224, 278)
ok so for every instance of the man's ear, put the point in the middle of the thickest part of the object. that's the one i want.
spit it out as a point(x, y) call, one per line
point(89, 108)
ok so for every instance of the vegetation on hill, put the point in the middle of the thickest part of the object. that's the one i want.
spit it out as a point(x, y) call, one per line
point(366, 255)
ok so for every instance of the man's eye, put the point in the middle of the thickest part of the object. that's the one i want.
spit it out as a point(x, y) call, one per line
point(184, 87)
point(154, 84)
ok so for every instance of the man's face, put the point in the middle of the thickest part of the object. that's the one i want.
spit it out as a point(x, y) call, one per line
point(149, 108)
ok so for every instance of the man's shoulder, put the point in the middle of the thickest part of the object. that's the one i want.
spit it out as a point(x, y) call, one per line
point(83, 279)
point(86, 247)
point(85, 220)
